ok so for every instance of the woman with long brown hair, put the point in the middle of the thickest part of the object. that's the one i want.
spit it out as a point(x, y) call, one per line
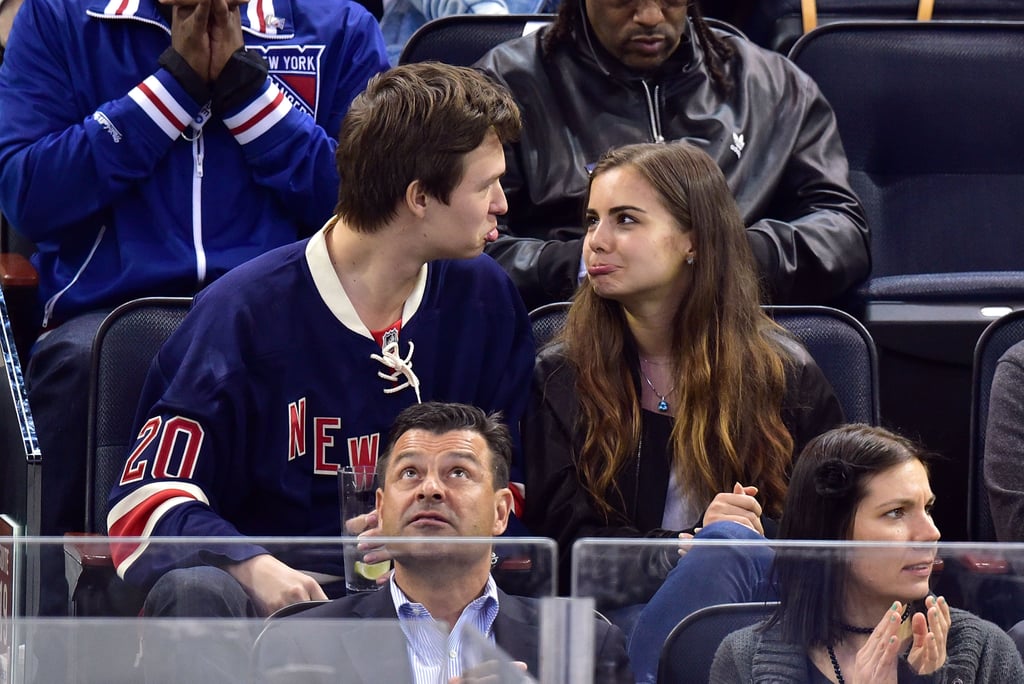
point(670, 400)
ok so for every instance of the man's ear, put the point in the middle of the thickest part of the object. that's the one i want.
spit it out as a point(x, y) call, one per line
point(502, 510)
point(416, 198)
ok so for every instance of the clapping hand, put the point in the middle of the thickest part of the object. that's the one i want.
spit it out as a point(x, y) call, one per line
point(876, 659)
point(928, 652)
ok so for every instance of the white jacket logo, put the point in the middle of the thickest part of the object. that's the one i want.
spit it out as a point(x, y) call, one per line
point(737, 144)
point(108, 126)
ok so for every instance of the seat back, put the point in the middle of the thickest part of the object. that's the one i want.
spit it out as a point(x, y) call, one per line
point(547, 320)
point(923, 108)
point(462, 39)
point(122, 352)
point(838, 342)
point(780, 22)
point(998, 337)
point(925, 111)
point(843, 349)
point(690, 647)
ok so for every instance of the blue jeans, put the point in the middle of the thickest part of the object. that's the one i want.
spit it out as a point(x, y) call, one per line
point(202, 591)
point(57, 378)
point(705, 576)
point(182, 650)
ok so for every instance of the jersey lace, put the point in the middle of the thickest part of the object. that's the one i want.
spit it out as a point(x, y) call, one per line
point(389, 356)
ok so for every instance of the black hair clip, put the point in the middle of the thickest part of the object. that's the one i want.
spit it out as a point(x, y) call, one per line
point(833, 479)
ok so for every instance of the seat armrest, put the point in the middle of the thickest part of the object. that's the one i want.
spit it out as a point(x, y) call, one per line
point(83, 549)
point(986, 563)
point(82, 553)
point(17, 271)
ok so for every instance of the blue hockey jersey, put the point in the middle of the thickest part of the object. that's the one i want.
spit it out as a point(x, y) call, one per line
point(269, 386)
point(130, 188)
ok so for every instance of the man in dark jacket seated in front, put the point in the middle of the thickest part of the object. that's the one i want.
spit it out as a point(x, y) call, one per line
point(444, 474)
point(613, 72)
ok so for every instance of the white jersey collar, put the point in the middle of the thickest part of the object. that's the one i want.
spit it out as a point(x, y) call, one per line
point(333, 294)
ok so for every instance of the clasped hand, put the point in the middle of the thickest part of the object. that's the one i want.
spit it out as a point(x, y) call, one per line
point(738, 506)
point(206, 33)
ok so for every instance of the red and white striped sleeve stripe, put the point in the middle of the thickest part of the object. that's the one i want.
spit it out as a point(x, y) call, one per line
point(138, 513)
point(122, 7)
point(259, 116)
point(160, 106)
point(518, 498)
point(258, 11)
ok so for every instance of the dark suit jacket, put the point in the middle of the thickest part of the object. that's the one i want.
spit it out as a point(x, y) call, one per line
point(516, 631)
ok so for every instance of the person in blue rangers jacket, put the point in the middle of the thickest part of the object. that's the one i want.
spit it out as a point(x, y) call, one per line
point(296, 363)
point(147, 149)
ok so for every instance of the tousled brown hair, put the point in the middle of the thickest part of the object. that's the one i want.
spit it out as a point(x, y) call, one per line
point(415, 122)
point(728, 364)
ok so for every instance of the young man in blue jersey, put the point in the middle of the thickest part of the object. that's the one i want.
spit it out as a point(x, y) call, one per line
point(445, 474)
point(147, 148)
point(296, 363)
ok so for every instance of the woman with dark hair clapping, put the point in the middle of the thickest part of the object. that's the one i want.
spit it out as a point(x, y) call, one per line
point(863, 614)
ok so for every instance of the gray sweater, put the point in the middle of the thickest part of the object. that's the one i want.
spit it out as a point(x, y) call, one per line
point(1004, 440)
point(976, 651)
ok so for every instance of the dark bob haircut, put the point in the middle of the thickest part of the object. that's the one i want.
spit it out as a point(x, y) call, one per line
point(828, 483)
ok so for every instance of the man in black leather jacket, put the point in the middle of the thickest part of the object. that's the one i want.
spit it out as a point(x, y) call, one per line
point(613, 72)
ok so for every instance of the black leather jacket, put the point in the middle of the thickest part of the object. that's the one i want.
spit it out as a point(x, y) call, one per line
point(774, 137)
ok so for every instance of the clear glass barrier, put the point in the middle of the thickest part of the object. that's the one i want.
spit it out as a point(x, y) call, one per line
point(108, 641)
point(643, 586)
point(647, 586)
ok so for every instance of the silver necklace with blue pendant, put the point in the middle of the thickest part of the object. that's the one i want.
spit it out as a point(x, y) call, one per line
point(662, 398)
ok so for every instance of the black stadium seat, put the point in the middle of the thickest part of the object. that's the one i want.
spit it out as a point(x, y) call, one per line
point(777, 24)
point(926, 111)
point(690, 647)
point(462, 39)
point(124, 347)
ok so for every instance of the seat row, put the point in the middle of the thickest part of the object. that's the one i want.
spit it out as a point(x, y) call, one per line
point(132, 334)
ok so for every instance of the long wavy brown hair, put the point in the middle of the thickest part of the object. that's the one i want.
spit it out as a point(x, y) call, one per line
point(728, 364)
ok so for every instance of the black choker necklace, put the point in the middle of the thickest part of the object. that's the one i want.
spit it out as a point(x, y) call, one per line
point(868, 630)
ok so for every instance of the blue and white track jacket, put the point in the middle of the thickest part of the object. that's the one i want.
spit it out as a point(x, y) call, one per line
point(130, 188)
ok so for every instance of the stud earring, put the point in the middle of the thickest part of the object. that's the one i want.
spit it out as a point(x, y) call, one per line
point(689, 260)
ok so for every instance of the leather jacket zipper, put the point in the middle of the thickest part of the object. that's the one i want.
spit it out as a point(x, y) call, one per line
point(653, 112)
